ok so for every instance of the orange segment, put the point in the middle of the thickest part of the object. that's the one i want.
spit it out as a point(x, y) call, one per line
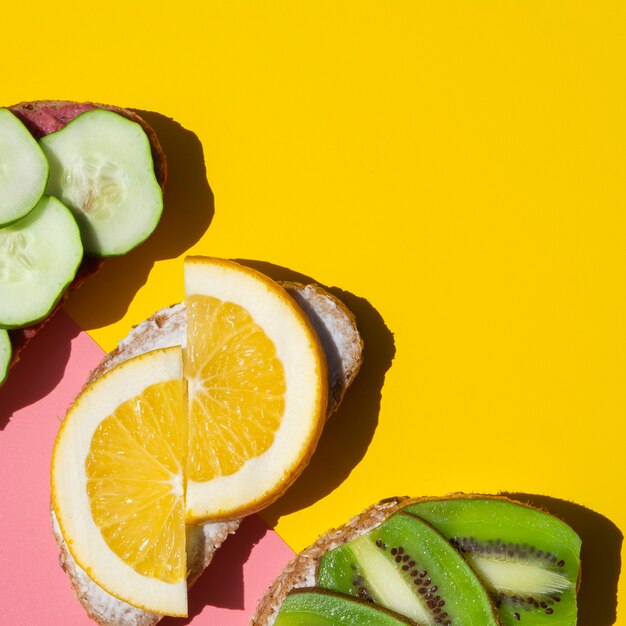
point(237, 388)
point(117, 482)
point(257, 389)
point(135, 481)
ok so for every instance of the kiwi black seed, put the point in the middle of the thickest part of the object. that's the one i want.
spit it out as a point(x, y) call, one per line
point(529, 560)
point(421, 575)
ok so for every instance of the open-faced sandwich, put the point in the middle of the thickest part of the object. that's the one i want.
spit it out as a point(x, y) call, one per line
point(206, 412)
point(460, 560)
point(79, 182)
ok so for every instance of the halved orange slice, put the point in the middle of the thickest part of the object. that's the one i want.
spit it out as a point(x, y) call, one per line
point(117, 482)
point(257, 389)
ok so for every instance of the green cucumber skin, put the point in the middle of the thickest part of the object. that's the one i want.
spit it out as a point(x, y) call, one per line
point(315, 607)
point(43, 162)
point(465, 594)
point(94, 234)
point(45, 310)
point(6, 352)
point(492, 518)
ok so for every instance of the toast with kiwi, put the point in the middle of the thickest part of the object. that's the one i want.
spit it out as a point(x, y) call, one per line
point(460, 559)
point(336, 329)
point(44, 119)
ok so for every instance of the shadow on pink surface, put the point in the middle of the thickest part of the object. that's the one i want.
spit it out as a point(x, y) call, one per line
point(41, 367)
point(242, 569)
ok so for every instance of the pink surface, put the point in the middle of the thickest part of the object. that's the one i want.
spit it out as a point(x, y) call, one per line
point(33, 588)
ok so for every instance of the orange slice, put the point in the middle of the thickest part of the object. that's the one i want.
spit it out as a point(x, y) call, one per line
point(257, 389)
point(117, 482)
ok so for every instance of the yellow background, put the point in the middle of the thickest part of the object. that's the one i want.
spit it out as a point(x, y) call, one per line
point(456, 170)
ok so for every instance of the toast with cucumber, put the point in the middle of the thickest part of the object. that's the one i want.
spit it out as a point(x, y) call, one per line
point(334, 327)
point(84, 181)
point(459, 560)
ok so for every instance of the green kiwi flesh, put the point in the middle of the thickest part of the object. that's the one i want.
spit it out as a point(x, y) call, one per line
point(409, 567)
point(529, 559)
point(318, 607)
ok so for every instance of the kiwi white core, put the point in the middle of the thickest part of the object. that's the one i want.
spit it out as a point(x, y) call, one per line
point(516, 577)
point(386, 582)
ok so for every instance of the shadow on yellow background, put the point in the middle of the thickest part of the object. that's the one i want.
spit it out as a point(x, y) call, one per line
point(188, 211)
point(348, 433)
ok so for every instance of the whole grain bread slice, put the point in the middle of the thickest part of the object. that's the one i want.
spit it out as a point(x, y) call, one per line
point(343, 347)
point(43, 117)
point(301, 571)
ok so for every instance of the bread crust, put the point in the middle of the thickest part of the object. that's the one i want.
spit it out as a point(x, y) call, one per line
point(43, 117)
point(336, 328)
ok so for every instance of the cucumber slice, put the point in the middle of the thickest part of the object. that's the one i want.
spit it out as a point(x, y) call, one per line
point(5, 354)
point(101, 167)
point(23, 169)
point(39, 257)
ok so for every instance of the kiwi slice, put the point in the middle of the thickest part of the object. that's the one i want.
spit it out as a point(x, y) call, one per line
point(23, 169)
point(409, 567)
point(101, 167)
point(5, 354)
point(319, 607)
point(529, 559)
point(39, 257)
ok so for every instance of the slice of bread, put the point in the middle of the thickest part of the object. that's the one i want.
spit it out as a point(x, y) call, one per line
point(343, 347)
point(43, 117)
point(301, 571)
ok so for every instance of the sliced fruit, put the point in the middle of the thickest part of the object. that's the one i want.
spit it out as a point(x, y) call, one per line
point(101, 167)
point(23, 169)
point(5, 354)
point(257, 389)
point(39, 257)
point(407, 566)
point(117, 482)
point(318, 607)
point(529, 559)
